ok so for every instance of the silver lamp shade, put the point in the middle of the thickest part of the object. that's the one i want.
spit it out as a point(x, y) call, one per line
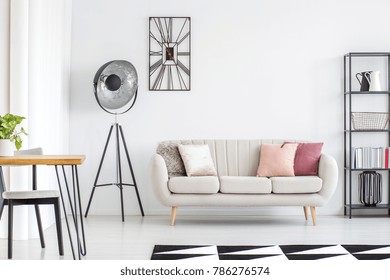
point(115, 85)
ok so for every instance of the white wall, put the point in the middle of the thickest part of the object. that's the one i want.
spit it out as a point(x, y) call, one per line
point(260, 69)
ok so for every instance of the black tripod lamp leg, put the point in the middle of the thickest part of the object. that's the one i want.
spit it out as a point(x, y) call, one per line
point(120, 183)
point(89, 202)
point(100, 167)
point(122, 207)
point(139, 201)
point(131, 171)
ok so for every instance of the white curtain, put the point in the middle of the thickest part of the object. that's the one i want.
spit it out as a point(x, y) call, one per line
point(35, 71)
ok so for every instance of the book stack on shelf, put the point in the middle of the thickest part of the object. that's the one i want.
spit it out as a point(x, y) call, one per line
point(371, 158)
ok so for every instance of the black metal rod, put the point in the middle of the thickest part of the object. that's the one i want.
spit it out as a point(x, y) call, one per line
point(75, 205)
point(34, 177)
point(10, 227)
point(345, 135)
point(65, 215)
point(131, 171)
point(119, 170)
point(39, 223)
point(388, 135)
point(350, 138)
point(119, 183)
point(90, 200)
point(105, 185)
point(99, 169)
point(67, 190)
point(83, 247)
point(57, 212)
point(104, 154)
point(76, 224)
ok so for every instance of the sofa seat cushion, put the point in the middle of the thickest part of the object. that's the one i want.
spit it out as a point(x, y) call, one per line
point(296, 184)
point(245, 184)
point(195, 184)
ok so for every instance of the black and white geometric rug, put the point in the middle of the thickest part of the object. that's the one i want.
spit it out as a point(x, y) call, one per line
point(271, 252)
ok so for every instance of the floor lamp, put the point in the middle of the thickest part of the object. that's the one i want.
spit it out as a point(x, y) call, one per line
point(115, 87)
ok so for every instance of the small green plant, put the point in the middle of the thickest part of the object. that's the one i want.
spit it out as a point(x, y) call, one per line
point(8, 124)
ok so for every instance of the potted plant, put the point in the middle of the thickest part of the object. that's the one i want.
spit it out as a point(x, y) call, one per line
point(9, 134)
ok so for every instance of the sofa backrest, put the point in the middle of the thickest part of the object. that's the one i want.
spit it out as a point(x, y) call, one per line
point(231, 157)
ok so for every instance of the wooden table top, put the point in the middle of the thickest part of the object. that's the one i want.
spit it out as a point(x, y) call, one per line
point(43, 160)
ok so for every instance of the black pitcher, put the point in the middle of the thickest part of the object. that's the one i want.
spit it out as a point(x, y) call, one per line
point(364, 83)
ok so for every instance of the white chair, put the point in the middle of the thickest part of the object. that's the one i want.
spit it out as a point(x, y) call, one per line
point(34, 197)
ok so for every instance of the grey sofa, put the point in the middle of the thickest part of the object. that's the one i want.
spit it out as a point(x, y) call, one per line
point(236, 162)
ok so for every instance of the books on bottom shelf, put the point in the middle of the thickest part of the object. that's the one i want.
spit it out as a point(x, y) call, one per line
point(370, 157)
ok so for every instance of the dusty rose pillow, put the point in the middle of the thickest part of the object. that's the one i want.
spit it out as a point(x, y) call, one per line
point(307, 159)
point(277, 160)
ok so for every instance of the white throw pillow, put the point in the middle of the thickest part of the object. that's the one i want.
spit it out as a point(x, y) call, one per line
point(197, 160)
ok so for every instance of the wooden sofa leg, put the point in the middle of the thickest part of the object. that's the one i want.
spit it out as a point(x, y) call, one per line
point(306, 211)
point(313, 215)
point(173, 215)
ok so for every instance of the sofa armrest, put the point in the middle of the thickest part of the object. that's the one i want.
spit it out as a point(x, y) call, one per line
point(159, 178)
point(328, 172)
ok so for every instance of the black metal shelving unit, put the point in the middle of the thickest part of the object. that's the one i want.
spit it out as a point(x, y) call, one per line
point(349, 132)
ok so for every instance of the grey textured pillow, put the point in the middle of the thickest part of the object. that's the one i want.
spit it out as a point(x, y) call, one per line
point(171, 155)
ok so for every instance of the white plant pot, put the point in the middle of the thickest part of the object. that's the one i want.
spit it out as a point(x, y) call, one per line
point(7, 148)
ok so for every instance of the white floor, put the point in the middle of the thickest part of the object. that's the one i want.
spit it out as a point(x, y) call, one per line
point(108, 238)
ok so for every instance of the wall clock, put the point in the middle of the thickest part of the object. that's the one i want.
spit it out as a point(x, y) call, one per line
point(169, 53)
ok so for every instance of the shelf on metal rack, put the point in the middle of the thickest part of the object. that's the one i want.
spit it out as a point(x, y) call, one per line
point(367, 92)
point(367, 169)
point(368, 54)
point(362, 206)
point(366, 130)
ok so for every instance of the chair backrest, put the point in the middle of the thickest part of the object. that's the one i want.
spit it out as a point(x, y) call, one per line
point(29, 152)
point(35, 151)
point(2, 187)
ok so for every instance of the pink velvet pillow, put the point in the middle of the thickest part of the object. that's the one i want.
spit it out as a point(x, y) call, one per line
point(307, 159)
point(277, 160)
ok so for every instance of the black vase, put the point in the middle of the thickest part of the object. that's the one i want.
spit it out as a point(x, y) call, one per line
point(370, 188)
point(364, 83)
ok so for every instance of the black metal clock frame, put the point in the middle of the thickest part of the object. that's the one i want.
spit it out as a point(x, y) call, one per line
point(170, 73)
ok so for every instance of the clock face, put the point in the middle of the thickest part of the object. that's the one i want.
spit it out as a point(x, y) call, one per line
point(169, 53)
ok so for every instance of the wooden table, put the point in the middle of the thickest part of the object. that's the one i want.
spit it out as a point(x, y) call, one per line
point(59, 161)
